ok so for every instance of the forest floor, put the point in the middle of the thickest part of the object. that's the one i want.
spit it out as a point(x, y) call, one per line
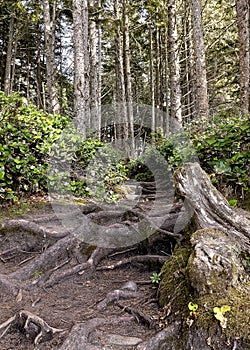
point(75, 300)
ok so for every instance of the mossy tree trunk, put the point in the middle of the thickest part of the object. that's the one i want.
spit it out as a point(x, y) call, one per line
point(211, 271)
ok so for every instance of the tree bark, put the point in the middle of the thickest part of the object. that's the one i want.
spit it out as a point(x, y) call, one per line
point(93, 72)
point(7, 81)
point(128, 78)
point(174, 69)
point(211, 209)
point(202, 105)
point(121, 122)
point(81, 65)
point(152, 79)
point(49, 33)
point(242, 7)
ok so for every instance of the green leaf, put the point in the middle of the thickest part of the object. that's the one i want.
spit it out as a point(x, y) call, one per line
point(192, 306)
point(225, 308)
point(233, 202)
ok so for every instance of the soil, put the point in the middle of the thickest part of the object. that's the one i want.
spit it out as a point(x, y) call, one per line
point(74, 300)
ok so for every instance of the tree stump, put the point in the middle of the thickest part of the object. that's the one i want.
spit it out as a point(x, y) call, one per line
point(206, 283)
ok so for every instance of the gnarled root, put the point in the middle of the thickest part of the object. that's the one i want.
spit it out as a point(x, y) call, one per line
point(35, 328)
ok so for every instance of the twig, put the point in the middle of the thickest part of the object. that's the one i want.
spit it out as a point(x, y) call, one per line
point(140, 316)
point(122, 252)
point(24, 261)
point(138, 258)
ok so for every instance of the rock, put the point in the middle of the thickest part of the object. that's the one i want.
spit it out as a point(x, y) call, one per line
point(115, 339)
point(130, 285)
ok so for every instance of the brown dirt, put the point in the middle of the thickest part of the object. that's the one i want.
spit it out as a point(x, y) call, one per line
point(74, 301)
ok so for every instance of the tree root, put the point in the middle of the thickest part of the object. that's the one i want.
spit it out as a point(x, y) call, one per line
point(78, 338)
point(138, 315)
point(161, 339)
point(35, 328)
point(149, 259)
point(49, 258)
point(115, 296)
point(86, 267)
point(31, 227)
point(7, 287)
point(211, 209)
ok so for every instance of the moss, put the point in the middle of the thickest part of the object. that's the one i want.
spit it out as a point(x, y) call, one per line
point(175, 292)
point(23, 206)
point(174, 289)
point(238, 318)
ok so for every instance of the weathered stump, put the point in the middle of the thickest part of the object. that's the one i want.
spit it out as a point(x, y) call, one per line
point(206, 283)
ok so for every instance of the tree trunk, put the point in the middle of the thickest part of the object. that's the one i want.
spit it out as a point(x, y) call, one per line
point(166, 84)
point(99, 74)
point(81, 65)
point(39, 71)
point(157, 66)
point(49, 33)
point(211, 209)
point(152, 80)
point(120, 93)
point(174, 69)
point(128, 78)
point(200, 62)
point(93, 72)
point(7, 81)
point(211, 271)
point(242, 7)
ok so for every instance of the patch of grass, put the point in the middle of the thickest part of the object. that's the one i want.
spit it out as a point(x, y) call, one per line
point(23, 206)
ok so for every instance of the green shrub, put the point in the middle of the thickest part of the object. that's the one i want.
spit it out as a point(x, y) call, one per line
point(26, 136)
point(224, 151)
point(103, 169)
point(85, 167)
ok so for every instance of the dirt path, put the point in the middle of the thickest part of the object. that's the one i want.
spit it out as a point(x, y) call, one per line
point(116, 314)
point(75, 301)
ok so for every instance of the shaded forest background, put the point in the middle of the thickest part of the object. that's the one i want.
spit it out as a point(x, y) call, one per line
point(62, 60)
point(142, 45)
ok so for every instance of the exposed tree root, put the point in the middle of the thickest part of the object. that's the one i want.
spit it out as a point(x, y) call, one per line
point(115, 296)
point(84, 268)
point(148, 259)
point(62, 255)
point(161, 339)
point(7, 286)
point(139, 315)
point(78, 338)
point(35, 328)
point(48, 259)
point(31, 227)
